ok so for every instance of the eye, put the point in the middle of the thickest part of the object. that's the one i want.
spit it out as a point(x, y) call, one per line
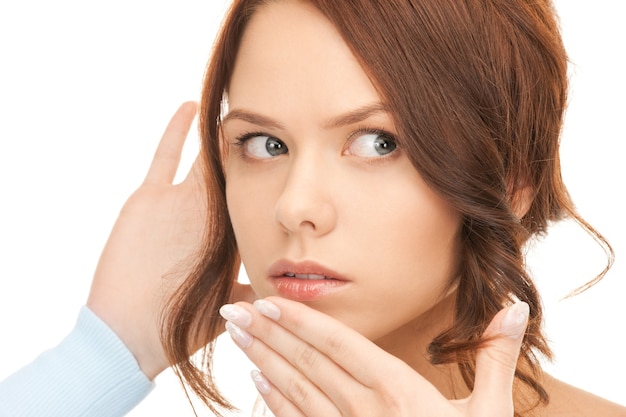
point(261, 146)
point(372, 144)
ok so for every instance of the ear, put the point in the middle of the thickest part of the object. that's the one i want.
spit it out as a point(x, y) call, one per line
point(520, 192)
point(521, 198)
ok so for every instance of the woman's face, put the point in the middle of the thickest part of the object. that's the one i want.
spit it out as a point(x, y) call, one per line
point(325, 208)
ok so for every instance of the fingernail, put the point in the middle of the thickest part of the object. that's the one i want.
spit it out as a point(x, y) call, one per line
point(260, 382)
point(267, 308)
point(241, 337)
point(238, 315)
point(514, 323)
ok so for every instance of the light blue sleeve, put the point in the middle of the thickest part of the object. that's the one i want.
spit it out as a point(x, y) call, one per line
point(90, 373)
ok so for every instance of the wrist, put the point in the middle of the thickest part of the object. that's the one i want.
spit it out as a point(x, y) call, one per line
point(142, 342)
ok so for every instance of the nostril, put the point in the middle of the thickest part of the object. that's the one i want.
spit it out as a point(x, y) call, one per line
point(308, 224)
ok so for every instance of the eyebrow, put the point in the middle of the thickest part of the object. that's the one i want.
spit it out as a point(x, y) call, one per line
point(348, 118)
point(356, 116)
point(253, 118)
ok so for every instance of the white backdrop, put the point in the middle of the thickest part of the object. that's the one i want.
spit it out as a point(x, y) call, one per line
point(86, 89)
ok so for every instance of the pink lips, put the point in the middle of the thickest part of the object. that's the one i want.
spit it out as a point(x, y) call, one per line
point(304, 281)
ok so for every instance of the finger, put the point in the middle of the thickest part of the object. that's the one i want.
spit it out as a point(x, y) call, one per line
point(338, 385)
point(343, 345)
point(167, 156)
point(273, 398)
point(289, 386)
point(496, 362)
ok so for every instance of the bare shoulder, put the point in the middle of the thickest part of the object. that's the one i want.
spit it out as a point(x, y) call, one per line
point(569, 401)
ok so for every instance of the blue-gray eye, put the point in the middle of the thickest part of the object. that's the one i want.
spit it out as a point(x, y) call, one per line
point(371, 145)
point(264, 147)
point(275, 147)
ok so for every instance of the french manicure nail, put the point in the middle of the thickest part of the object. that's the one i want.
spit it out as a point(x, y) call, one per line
point(260, 382)
point(514, 323)
point(267, 308)
point(238, 315)
point(241, 337)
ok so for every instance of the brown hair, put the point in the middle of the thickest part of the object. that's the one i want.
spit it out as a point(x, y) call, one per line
point(477, 89)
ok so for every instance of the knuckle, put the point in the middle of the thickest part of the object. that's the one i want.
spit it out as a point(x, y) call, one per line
point(307, 357)
point(391, 397)
point(334, 345)
point(506, 361)
point(296, 392)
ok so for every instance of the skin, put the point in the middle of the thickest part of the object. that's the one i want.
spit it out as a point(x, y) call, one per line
point(331, 195)
point(332, 199)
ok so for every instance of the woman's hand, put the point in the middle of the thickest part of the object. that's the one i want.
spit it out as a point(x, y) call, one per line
point(312, 365)
point(151, 248)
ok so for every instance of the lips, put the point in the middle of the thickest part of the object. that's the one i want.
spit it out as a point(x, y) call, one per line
point(304, 281)
point(302, 270)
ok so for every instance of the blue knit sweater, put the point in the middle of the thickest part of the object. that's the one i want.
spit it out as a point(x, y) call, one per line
point(90, 373)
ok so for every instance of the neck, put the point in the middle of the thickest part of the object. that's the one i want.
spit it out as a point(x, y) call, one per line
point(410, 343)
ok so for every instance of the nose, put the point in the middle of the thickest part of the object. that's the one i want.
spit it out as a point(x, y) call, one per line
point(305, 206)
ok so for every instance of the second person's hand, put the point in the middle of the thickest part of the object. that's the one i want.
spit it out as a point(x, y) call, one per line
point(152, 249)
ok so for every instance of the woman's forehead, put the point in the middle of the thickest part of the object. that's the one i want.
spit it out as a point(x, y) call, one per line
point(292, 56)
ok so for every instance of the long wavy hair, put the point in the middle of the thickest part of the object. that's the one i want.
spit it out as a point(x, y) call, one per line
point(477, 90)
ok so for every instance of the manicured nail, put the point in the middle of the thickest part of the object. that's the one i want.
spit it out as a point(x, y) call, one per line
point(514, 323)
point(260, 382)
point(241, 337)
point(238, 315)
point(267, 309)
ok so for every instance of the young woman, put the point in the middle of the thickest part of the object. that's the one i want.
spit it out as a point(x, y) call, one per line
point(386, 185)
point(382, 164)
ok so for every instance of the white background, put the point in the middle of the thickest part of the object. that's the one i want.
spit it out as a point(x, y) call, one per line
point(86, 89)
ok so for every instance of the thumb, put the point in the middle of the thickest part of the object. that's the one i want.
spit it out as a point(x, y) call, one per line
point(497, 360)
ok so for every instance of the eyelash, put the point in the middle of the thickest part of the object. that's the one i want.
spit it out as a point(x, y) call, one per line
point(241, 139)
point(371, 131)
point(244, 137)
point(365, 130)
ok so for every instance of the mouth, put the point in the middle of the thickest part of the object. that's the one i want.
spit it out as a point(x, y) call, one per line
point(304, 281)
point(305, 276)
point(306, 270)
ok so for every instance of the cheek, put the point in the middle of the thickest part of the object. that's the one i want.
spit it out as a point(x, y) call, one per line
point(242, 197)
point(407, 224)
point(244, 209)
point(428, 240)
point(251, 210)
point(407, 253)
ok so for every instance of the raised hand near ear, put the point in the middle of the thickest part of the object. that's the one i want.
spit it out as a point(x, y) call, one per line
point(151, 248)
point(312, 365)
